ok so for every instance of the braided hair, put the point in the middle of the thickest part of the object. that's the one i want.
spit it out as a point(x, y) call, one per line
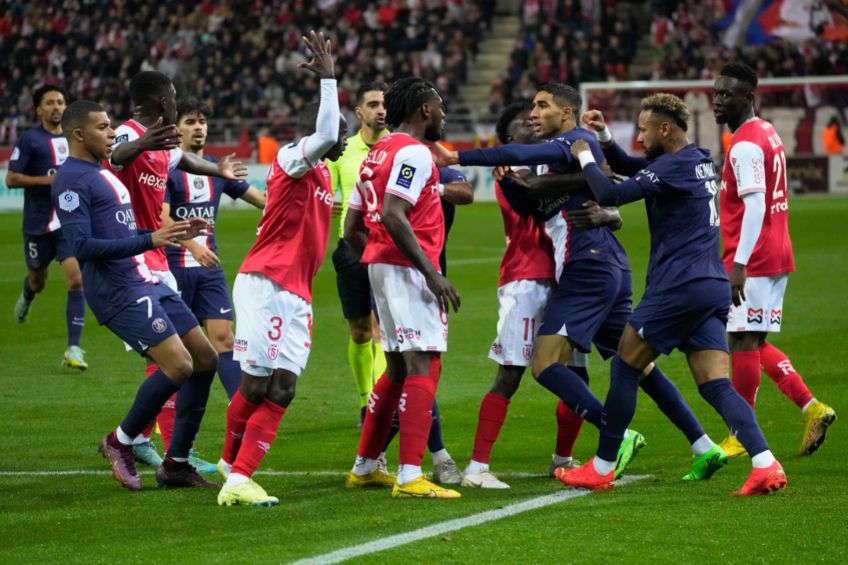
point(404, 97)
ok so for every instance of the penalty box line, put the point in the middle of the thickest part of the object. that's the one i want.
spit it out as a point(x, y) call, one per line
point(453, 525)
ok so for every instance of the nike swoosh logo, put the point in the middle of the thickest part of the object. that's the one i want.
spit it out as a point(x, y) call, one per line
point(226, 310)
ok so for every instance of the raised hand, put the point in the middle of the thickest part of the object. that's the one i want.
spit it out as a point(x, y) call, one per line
point(233, 170)
point(159, 137)
point(593, 119)
point(321, 62)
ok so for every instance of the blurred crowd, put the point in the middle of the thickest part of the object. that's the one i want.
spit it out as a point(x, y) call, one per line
point(240, 56)
point(569, 41)
point(574, 41)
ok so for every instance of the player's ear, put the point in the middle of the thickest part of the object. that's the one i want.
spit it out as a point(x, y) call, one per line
point(76, 133)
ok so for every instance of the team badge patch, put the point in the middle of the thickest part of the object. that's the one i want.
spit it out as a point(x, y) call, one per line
point(159, 325)
point(405, 175)
point(272, 351)
point(122, 138)
point(69, 201)
point(16, 154)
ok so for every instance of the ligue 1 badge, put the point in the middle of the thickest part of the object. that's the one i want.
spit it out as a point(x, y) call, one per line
point(69, 201)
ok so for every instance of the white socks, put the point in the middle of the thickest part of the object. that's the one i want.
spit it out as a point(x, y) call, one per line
point(476, 467)
point(364, 466)
point(440, 456)
point(408, 473)
point(702, 445)
point(602, 466)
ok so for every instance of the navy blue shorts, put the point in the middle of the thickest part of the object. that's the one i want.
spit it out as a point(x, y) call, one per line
point(153, 318)
point(690, 317)
point(591, 304)
point(205, 292)
point(39, 250)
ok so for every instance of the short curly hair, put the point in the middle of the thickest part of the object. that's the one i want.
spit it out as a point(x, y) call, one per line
point(670, 106)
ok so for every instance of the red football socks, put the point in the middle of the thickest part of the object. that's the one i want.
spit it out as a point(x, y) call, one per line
point(568, 428)
point(489, 422)
point(778, 366)
point(238, 412)
point(259, 434)
point(165, 419)
point(746, 374)
point(415, 412)
point(382, 404)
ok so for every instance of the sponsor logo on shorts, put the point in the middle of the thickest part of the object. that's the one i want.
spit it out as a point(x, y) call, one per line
point(240, 345)
point(307, 344)
point(407, 334)
point(405, 175)
point(755, 315)
point(528, 351)
point(776, 316)
point(272, 351)
point(159, 325)
point(225, 310)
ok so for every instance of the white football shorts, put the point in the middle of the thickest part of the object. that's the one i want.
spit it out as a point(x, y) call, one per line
point(520, 308)
point(762, 309)
point(410, 318)
point(273, 326)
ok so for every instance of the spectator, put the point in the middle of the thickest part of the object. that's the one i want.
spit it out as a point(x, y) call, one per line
point(832, 139)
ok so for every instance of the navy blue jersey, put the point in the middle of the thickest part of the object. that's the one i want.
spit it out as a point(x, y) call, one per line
point(680, 197)
point(198, 196)
point(38, 153)
point(573, 244)
point(448, 175)
point(94, 208)
point(554, 157)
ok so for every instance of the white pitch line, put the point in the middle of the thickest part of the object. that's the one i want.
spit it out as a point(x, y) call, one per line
point(452, 525)
point(83, 472)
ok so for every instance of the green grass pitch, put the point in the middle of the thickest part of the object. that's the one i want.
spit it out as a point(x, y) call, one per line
point(52, 419)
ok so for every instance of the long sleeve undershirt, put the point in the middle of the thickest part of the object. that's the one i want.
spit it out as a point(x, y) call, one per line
point(752, 224)
point(87, 248)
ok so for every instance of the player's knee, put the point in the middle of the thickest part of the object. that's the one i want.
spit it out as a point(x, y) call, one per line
point(360, 330)
point(222, 341)
point(507, 381)
point(282, 393)
point(744, 341)
point(180, 371)
point(37, 281)
point(206, 359)
point(254, 389)
point(540, 363)
point(74, 281)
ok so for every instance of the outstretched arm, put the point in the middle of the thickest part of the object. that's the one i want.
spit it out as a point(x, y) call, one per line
point(606, 193)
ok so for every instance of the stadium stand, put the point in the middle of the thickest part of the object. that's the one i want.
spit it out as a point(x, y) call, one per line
point(240, 56)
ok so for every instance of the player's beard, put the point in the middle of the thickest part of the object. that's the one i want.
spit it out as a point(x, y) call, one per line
point(434, 132)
